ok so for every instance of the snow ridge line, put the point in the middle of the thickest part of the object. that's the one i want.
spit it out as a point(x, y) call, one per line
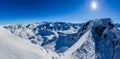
point(78, 44)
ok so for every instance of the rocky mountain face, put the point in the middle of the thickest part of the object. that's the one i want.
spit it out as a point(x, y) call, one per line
point(95, 39)
point(103, 42)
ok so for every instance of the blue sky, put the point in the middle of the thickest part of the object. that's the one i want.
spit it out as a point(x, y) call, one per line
point(76, 11)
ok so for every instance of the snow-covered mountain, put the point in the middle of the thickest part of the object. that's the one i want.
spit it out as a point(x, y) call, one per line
point(117, 25)
point(13, 47)
point(103, 41)
point(57, 36)
point(95, 39)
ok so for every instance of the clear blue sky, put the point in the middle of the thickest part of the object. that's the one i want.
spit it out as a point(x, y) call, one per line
point(31, 11)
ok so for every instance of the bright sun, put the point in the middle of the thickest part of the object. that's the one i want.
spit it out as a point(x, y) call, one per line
point(94, 5)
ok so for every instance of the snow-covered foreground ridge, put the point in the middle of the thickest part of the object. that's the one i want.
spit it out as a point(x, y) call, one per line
point(12, 47)
point(95, 39)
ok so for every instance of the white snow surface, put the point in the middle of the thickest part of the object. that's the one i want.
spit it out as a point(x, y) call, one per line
point(79, 43)
point(12, 47)
point(70, 31)
point(118, 28)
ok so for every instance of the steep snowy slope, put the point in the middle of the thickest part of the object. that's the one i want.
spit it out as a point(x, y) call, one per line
point(78, 43)
point(12, 47)
point(57, 36)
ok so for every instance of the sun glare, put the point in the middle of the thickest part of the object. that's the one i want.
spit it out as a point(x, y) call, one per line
point(94, 5)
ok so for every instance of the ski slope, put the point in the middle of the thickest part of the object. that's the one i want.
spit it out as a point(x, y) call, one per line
point(12, 47)
point(78, 44)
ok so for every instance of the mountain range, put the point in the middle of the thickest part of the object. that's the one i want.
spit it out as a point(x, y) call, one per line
point(95, 39)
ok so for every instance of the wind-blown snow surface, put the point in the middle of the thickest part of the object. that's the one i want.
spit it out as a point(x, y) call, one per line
point(12, 47)
point(96, 39)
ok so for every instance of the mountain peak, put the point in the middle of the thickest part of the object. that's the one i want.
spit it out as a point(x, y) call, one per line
point(103, 41)
point(98, 23)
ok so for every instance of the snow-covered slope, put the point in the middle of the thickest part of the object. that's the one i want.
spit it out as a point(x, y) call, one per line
point(48, 34)
point(96, 39)
point(12, 47)
point(78, 43)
